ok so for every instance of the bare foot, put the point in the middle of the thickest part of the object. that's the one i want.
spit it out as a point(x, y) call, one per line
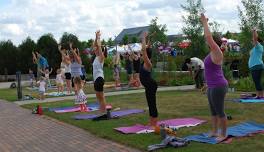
point(221, 138)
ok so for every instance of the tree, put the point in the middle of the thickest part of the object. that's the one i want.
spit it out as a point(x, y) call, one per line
point(103, 42)
point(159, 37)
point(251, 16)
point(90, 43)
point(25, 54)
point(67, 38)
point(228, 35)
point(8, 57)
point(48, 47)
point(125, 39)
point(110, 42)
point(159, 30)
point(194, 29)
point(134, 39)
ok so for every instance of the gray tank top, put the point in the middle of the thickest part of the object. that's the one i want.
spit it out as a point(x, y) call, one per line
point(76, 69)
point(98, 69)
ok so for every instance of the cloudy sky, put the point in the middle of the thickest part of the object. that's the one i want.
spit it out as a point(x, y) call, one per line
point(22, 18)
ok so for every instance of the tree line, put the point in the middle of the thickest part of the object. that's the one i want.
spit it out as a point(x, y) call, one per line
point(14, 58)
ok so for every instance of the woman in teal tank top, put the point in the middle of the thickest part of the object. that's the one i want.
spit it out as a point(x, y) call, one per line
point(255, 63)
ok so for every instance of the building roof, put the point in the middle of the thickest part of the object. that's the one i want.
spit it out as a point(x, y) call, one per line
point(137, 31)
point(172, 38)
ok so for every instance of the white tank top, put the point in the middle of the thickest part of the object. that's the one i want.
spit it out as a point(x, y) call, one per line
point(98, 69)
point(67, 68)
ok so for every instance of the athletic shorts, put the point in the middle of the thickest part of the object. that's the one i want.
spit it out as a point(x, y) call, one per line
point(136, 65)
point(99, 84)
point(68, 76)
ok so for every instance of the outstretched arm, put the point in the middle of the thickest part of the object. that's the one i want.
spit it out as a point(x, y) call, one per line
point(255, 36)
point(50, 71)
point(41, 71)
point(75, 55)
point(99, 46)
point(216, 53)
point(147, 62)
point(34, 58)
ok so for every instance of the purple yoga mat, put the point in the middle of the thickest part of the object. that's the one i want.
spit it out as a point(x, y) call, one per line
point(172, 123)
point(113, 114)
point(91, 106)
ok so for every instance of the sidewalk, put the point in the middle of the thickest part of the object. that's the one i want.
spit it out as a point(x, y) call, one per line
point(6, 85)
point(21, 131)
point(177, 88)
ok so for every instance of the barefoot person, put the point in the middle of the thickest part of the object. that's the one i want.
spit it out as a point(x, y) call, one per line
point(148, 82)
point(255, 63)
point(66, 64)
point(117, 69)
point(76, 65)
point(216, 82)
point(98, 72)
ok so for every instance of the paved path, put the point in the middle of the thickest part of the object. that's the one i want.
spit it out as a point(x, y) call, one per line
point(21, 131)
point(6, 85)
point(188, 87)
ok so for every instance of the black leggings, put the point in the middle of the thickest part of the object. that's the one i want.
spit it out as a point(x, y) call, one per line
point(256, 75)
point(216, 98)
point(150, 92)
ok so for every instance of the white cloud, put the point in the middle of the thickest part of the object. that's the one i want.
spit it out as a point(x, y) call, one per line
point(22, 18)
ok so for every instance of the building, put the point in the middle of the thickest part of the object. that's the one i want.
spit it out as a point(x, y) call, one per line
point(131, 32)
point(138, 32)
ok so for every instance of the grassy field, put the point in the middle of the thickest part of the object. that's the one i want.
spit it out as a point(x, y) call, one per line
point(170, 105)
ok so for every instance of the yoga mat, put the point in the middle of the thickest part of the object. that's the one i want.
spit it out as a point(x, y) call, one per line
point(120, 113)
point(240, 130)
point(92, 107)
point(172, 123)
point(252, 100)
point(247, 100)
point(56, 94)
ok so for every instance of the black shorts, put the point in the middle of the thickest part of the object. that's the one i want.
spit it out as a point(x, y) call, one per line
point(68, 76)
point(136, 65)
point(82, 77)
point(99, 84)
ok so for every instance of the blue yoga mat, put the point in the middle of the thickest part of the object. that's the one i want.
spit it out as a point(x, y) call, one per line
point(251, 100)
point(113, 114)
point(240, 130)
point(91, 105)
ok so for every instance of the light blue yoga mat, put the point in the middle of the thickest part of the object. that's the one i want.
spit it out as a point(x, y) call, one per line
point(240, 130)
point(251, 100)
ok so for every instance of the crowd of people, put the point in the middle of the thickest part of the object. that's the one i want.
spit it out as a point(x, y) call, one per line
point(139, 66)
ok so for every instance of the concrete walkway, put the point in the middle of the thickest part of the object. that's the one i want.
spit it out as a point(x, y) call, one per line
point(21, 131)
point(177, 88)
point(6, 85)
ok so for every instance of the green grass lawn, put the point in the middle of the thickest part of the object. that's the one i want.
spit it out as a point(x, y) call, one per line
point(174, 104)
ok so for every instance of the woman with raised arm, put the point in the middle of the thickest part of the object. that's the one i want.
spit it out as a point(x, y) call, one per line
point(76, 65)
point(98, 72)
point(255, 63)
point(42, 63)
point(66, 64)
point(148, 82)
point(216, 82)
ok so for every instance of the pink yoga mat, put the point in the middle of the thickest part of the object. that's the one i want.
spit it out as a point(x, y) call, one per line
point(172, 123)
point(75, 109)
